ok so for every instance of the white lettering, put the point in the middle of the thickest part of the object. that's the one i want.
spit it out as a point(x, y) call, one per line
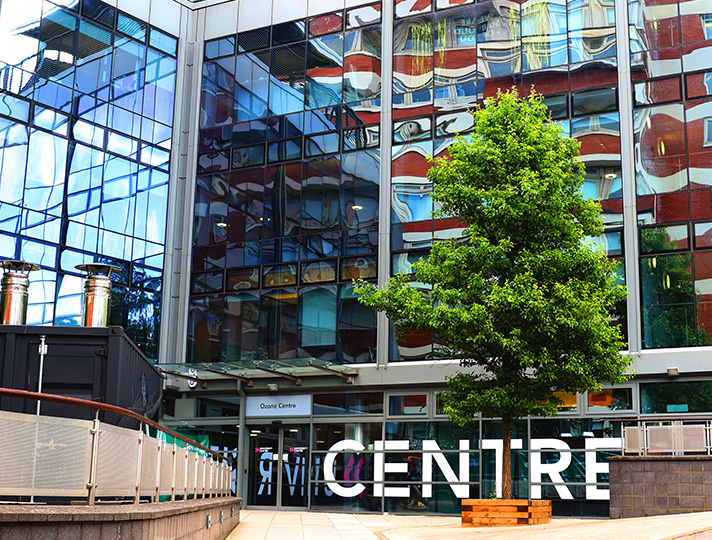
point(460, 486)
point(552, 469)
point(380, 468)
point(266, 472)
point(498, 446)
point(329, 460)
point(459, 483)
point(593, 468)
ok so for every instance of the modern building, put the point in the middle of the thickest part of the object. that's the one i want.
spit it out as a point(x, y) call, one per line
point(242, 161)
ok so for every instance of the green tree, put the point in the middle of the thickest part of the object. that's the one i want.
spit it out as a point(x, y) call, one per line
point(524, 299)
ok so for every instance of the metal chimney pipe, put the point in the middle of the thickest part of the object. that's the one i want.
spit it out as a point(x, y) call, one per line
point(13, 291)
point(97, 293)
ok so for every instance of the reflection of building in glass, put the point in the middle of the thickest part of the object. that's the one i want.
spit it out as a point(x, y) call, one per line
point(84, 160)
point(298, 162)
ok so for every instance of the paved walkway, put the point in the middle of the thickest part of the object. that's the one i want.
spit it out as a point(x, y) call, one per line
point(267, 525)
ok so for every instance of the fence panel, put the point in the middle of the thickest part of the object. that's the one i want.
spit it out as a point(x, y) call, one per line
point(149, 463)
point(181, 456)
point(166, 478)
point(117, 462)
point(44, 455)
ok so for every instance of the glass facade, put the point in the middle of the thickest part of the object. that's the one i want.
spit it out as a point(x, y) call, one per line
point(385, 460)
point(672, 160)
point(288, 170)
point(287, 192)
point(447, 61)
point(280, 198)
point(86, 115)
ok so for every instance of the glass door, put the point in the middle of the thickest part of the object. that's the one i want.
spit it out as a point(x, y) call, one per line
point(294, 466)
point(278, 467)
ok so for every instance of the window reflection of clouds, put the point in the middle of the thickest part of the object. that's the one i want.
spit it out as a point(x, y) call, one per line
point(96, 60)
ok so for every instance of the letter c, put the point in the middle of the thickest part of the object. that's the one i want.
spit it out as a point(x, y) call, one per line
point(329, 460)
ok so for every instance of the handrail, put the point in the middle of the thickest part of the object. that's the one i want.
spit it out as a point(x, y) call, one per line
point(663, 419)
point(38, 396)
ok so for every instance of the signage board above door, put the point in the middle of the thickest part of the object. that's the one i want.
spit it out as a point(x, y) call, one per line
point(299, 405)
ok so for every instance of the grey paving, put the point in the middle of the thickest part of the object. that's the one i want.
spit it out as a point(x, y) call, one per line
point(268, 525)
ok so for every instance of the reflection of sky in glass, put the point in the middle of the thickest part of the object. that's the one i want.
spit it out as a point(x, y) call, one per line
point(15, 18)
point(114, 206)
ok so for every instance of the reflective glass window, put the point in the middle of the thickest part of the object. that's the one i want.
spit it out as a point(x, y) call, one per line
point(362, 64)
point(611, 399)
point(288, 32)
point(278, 322)
point(325, 24)
point(219, 47)
point(163, 42)
point(363, 16)
point(253, 40)
point(412, 405)
point(362, 403)
point(654, 24)
point(318, 321)
point(131, 27)
point(692, 396)
point(324, 71)
point(668, 301)
point(670, 238)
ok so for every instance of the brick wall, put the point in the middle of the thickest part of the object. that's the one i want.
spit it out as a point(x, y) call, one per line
point(657, 485)
point(183, 520)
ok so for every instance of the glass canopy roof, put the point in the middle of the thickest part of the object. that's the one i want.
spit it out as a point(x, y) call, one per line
point(294, 369)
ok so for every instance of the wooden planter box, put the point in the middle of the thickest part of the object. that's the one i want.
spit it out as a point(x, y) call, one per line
point(504, 513)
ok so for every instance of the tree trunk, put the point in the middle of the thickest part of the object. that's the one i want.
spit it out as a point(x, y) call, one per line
point(506, 460)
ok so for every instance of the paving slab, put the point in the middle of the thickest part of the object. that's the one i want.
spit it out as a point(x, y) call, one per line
point(270, 525)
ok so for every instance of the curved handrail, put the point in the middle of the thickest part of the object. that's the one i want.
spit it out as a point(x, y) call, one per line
point(662, 419)
point(38, 396)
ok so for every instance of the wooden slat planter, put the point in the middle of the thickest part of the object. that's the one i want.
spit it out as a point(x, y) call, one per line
point(504, 513)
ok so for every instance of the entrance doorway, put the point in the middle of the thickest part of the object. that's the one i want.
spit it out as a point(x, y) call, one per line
point(278, 472)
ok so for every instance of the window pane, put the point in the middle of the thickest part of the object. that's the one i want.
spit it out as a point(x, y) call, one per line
point(611, 399)
point(408, 405)
point(656, 398)
point(668, 301)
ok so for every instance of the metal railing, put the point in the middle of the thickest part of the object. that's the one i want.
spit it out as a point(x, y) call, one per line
point(64, 457)
point(671, 436)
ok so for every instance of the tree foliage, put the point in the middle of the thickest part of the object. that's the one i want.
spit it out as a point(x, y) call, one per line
point(524, 298)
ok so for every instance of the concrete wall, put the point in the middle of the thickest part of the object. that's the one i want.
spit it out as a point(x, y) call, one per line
point(657, 485)
point(184, 520)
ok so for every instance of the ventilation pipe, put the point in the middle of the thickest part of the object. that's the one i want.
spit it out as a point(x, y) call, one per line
point(13, 291)
point(97, 293)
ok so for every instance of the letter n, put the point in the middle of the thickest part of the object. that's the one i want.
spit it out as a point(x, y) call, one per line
point(460, 486)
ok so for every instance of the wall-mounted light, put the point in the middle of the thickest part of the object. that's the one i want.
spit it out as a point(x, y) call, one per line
point(673, 372)
point(611, 176)
point(272, 387)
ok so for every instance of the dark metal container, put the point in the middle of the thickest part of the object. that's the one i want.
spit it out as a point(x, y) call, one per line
point(98, 364)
